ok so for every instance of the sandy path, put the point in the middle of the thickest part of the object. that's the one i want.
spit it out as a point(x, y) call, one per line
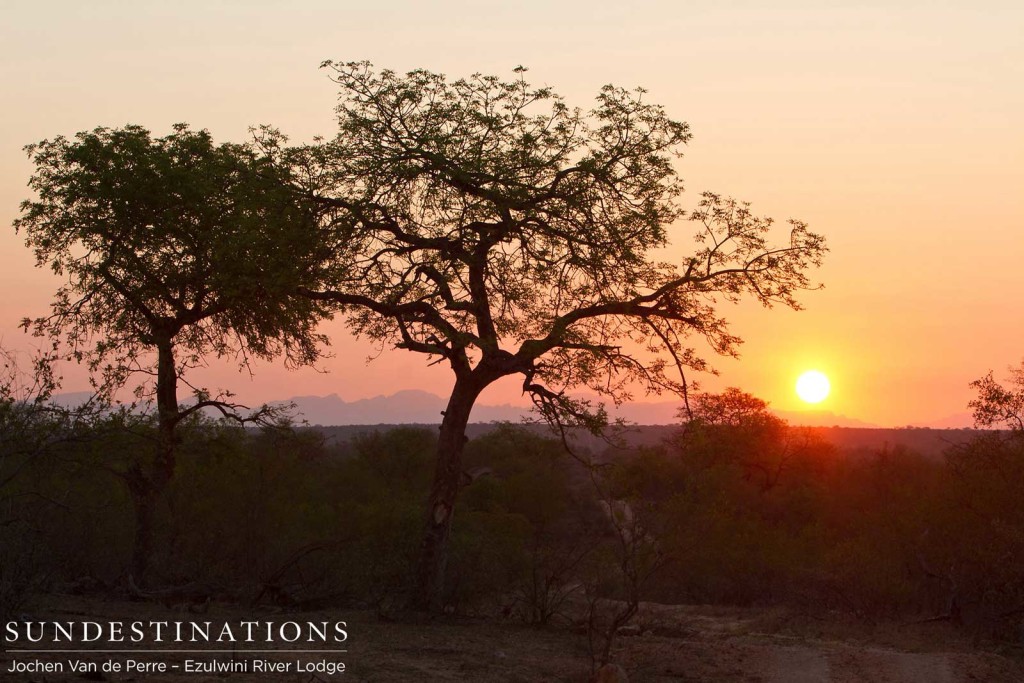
point(933, 668)
point(798, 665)
point(844, 664)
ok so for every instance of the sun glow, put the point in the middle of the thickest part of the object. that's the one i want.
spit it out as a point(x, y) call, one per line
point(812, 386)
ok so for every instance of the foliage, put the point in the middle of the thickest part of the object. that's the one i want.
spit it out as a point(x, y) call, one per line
point(997, 405)
point(980, 558)
point(494, 227)
point(736, 428)
point(527, 484)
point(169, 240)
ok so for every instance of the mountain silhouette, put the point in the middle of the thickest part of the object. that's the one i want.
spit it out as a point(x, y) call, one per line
point(423, 407)
point(415, 406)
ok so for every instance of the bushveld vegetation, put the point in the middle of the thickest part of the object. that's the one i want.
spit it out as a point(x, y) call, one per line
point(737, 509)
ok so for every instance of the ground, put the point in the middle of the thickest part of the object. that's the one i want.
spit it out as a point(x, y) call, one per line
point(669, 643)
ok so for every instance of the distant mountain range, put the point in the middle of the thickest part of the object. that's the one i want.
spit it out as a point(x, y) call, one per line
point(422, 407)
point(404, 407)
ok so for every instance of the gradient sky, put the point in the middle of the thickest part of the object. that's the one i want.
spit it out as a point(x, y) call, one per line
point(893, 128)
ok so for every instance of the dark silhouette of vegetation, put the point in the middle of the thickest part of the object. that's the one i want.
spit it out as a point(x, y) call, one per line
point(174, 249)
point(736, 427)
point(286, 519)
point(493, 228)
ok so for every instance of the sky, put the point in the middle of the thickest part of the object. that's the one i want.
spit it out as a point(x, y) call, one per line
point(893, 128)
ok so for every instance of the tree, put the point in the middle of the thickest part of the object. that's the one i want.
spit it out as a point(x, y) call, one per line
point(491, 227)
point(27, 421)
point(737, 428)
point(174, 249)
point(997, 405)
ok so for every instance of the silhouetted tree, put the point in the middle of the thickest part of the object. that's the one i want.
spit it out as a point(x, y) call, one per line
point(492, 227)
point(173, 249)
point(26, 418)
point(737, 428)
point(997, 405)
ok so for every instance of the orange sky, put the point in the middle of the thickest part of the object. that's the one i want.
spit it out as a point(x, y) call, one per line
point(892, 128)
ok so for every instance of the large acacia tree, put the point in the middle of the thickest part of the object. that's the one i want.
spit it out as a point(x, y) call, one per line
point(491, 227)
point(172, 250)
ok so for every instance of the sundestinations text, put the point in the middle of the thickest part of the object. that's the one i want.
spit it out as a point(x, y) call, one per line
point(175, 632)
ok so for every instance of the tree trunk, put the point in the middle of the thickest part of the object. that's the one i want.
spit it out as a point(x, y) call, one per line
point(147, 487)
point(433, 560)
point(167, 416)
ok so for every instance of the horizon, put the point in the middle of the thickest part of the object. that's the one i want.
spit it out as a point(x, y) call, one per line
point(311, 408)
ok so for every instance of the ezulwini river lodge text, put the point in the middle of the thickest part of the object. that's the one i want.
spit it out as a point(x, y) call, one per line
point(191, 666)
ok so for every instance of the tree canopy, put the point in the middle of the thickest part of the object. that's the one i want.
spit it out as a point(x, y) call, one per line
point(494, 227)
point(173, 240)
point(999, 405)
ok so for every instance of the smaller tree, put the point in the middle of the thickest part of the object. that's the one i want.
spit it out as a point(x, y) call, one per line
point(25, 417)
point(997, 405)
point(737, 428)
point(174, 249)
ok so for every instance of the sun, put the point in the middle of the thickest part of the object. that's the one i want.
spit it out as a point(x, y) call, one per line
point(812, 386)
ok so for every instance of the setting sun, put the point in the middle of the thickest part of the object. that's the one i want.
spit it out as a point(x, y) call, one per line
point(812, 386)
